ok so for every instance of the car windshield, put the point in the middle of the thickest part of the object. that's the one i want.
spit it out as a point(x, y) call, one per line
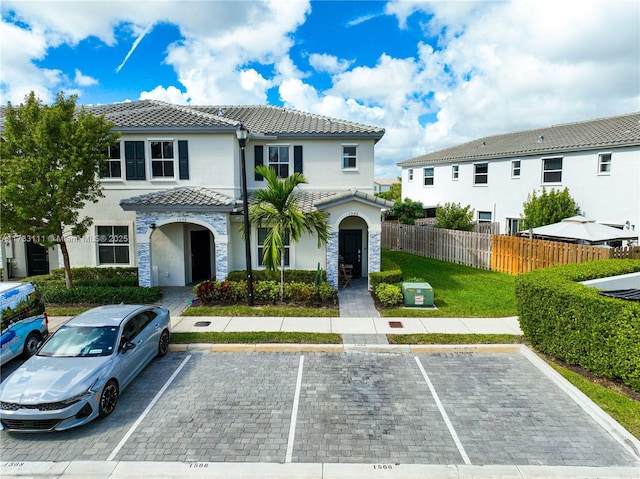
point(81, 341)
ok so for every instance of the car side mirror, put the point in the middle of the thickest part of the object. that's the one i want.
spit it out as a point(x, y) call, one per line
point(128, 346)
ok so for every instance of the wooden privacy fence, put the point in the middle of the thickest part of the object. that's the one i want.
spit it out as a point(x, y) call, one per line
point(462, 247)
point(508, 254)
point(515, 255)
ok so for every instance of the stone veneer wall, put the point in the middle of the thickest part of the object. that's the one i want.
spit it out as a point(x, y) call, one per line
point(332, 259)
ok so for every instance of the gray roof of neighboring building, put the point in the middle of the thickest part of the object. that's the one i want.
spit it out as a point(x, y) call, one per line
point(612, 132)
point(258, 119)
point(199, 198)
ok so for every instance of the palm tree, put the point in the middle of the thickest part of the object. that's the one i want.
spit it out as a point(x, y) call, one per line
point(277, 208)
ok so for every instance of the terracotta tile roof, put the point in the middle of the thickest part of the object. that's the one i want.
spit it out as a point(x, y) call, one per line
point(616, 131)
point(258, 119)
point(183, 198)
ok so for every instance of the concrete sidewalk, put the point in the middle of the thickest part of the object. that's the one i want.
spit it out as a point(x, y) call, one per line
point(349, 325)
point(352, 326)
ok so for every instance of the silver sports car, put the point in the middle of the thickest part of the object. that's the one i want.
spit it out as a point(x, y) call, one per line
point(78, 374)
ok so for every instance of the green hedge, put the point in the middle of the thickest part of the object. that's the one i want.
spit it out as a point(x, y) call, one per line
point(574, 323)
point(265, 292)
point(56, 293)
point(89, 276)
point(95, 286)
point(290, 275)
point(384, 277)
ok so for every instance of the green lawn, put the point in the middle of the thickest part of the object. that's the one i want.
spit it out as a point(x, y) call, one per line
point(459, 291)
point(250, 337)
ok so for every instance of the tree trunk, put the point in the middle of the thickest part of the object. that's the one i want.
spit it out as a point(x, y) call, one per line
point(282, 277)
point(67, 264)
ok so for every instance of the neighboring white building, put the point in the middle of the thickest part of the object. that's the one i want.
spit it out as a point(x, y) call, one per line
point(380, 185)
point(173, 206)
point(597, 160)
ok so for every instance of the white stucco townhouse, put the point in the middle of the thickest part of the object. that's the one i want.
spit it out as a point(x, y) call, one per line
point(597, 160)
point(173, 204)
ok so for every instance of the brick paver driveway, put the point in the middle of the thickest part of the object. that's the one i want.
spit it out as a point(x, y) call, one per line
point(387, 409)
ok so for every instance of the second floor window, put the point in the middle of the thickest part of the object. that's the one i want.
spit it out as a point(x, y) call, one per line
point(410, 174)
point(484, 217)
point(604, 163)
point(113, 166)
point(162, 159)
point(481, 174)
point(515, 169)
point(349, 157)
point(455, 172)
point(552, 170)
point(428, 177)
point(279, 160)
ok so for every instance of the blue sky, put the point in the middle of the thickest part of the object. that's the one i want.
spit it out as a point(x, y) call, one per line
point(433, 74)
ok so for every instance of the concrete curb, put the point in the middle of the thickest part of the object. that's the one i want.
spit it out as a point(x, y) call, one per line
point(342, 348)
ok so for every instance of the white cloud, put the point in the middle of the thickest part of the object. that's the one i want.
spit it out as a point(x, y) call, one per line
point(328, 63)
point(170, 95)
point(84, 80)
point(496, 66)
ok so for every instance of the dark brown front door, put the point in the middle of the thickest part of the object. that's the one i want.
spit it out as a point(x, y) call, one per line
point(350, 248)
point(37, 259)
point(200, 255)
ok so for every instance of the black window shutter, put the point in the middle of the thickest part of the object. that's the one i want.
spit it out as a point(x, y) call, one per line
point(258, 155)
point(183, 159)
point(297, 159)
point(134, 159)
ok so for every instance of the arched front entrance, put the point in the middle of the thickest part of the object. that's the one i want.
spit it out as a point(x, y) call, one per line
point(352, 245)
point(181, 254)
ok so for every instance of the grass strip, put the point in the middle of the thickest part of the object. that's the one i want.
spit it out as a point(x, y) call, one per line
point(66, 310)
point(260, 311)
point(619, 406)
point(441, 338)
point(249, 337)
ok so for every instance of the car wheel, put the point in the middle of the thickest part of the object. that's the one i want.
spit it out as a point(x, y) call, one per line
point(31, 345)
point(109, 398)
point(163, 345)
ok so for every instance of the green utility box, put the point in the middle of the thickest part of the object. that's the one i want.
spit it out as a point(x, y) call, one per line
point(417, 294)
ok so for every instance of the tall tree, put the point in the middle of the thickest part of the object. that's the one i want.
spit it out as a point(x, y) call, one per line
point(51, 159)
point(407, 211)
point(548, 208)
point(277, 209)
point(454, 216)
point(393, 194)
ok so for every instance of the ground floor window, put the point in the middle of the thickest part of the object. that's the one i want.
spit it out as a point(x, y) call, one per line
point(262, 235)
point(113, 244)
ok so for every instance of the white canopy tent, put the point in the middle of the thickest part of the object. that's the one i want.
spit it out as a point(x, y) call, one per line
point(579, 229)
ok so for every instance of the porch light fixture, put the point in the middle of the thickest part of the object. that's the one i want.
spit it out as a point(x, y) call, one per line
point(242, 133)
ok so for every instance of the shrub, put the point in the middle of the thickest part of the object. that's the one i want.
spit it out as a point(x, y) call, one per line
point(58, 294)
point(382, 277)
point(574, 323)
point(267, 291)
point(297, 275)
point(210, 292)
point(388, 294)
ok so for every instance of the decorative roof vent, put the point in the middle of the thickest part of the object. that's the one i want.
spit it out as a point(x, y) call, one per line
point(484, 143)
point(541, 138)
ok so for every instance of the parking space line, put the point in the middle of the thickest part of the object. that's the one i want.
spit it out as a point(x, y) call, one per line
point(452, 431)
point(146, 411)
point(294, 412)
